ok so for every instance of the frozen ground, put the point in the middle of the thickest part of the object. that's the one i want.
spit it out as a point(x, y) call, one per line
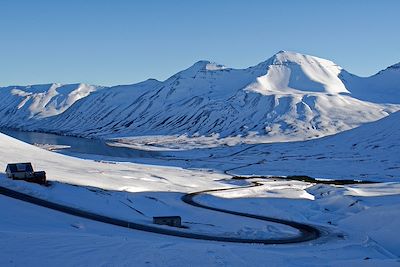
point(359, 222)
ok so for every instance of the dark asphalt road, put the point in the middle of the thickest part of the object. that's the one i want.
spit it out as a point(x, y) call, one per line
point(307, 232)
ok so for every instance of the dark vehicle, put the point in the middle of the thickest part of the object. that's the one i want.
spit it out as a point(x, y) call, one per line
point(24, 171)
point(174, 221)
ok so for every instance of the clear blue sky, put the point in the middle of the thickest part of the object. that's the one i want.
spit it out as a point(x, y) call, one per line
point(122, 42)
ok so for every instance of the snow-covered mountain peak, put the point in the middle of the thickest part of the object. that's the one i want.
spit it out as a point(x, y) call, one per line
point(394, 67)
point(215, 66)
point(292, 73)
point(201, 66)
point(289, 57)
point(383, 87)
point(206, 65)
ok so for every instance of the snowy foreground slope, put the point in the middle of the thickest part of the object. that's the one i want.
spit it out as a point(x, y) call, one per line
point(288, 97)
point(359, 221)
point(106, 175)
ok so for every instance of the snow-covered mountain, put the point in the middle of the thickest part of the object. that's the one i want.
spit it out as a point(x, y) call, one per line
point(22, 103)
point(383, 87)
point(289, 96)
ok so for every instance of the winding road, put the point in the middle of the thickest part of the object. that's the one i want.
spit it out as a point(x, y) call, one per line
point(307, 232)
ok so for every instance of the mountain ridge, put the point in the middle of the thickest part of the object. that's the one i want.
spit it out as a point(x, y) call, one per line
point(288, 96)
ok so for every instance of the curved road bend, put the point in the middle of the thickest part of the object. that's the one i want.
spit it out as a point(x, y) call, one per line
point(307, 232)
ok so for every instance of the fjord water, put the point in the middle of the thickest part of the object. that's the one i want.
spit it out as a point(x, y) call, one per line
point(77, 145)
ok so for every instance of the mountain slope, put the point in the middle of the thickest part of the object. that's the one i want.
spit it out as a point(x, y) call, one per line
point(291, 73)
point(383, 87)
point(22, 103)
point(288, 97)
